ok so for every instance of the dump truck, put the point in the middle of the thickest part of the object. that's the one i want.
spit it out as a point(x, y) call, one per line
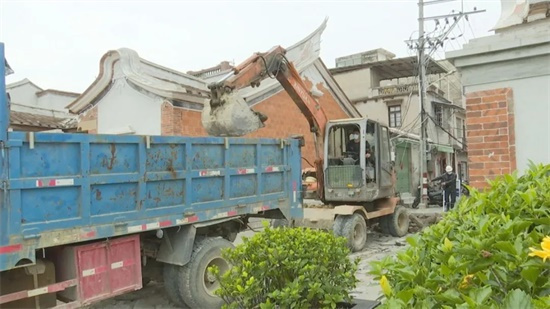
point(86, 217)
point(353, 166)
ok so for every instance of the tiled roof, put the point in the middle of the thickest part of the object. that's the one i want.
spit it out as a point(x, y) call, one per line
point(27, 119)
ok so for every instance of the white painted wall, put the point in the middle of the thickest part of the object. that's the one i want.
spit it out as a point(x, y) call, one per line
point(123, 107)
point(54, 101)
point(532, 113)
point(356, 84)
point(24, 94)
point(517, 57)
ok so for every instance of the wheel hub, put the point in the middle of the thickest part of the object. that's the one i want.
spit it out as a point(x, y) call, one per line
point(210, 282)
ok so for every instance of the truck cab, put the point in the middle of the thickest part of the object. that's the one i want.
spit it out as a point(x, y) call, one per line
point(357, 173)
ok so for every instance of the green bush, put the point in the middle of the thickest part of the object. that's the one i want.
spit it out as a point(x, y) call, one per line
point(478, 256)
point(288, 267)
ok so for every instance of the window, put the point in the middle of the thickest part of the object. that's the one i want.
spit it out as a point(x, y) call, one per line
point(460, 128)
point(438, 111)
point(395, 116)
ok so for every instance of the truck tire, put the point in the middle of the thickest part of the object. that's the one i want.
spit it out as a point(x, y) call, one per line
point(275, 223)
point(354, 229)
point(398, 222)
point(170, 273)
point(231, 236)
point(193, 285)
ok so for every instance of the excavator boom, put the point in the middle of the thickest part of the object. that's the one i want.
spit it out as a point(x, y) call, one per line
point(229, 115)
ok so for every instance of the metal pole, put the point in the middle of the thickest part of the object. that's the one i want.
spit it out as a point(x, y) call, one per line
point(4, 108)
point(422, 95)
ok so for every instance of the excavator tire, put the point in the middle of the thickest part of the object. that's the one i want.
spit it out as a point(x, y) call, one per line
point(398, 222)
point(353, 228)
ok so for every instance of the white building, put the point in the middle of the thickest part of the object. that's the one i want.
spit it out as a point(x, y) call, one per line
point(507, 74)
point(35, 109)
point(387, 91)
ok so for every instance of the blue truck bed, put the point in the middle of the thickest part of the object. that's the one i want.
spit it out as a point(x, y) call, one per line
point(58, 189)
point(66, 188)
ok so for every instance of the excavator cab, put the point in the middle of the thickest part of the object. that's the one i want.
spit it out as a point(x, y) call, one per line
point(357, 164)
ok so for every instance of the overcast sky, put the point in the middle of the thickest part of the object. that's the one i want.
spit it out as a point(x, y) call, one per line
point(58, 44)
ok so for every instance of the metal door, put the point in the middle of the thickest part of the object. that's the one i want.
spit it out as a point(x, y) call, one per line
point(402, 166)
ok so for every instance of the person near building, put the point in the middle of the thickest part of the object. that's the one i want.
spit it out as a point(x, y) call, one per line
point(448, 183)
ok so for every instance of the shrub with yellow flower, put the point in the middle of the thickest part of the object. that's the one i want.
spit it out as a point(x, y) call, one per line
point(545, 252)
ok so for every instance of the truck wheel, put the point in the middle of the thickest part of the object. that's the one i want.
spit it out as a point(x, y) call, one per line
point(170, 273)
point(354, 228)
point(398, 222)
point(193, 284)
point(275, 223)
point(231, 236)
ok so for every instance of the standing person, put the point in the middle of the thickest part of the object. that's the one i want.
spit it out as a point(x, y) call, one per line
point(448, 182)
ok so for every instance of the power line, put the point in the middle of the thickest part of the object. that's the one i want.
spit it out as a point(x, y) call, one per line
point(423, 60)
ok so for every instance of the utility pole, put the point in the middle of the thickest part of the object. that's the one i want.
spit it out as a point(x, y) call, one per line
point(422, 93)
point(422, 60)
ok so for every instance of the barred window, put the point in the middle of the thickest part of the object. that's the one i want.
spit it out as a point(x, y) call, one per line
point(395, 116)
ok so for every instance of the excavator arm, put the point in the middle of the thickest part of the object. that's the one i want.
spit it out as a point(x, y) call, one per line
point(229, 115)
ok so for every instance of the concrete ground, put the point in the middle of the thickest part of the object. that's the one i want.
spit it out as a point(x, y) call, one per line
point(378, 247)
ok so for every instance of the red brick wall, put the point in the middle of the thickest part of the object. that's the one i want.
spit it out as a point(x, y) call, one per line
point(284, 119)
point(490, 135)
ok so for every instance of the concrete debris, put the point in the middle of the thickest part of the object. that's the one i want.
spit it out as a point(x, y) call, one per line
point(233, 118)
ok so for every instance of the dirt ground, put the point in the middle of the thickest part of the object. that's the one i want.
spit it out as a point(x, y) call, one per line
point(378, 246)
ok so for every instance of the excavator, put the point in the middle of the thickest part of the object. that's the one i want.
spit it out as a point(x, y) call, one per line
point(354, 189)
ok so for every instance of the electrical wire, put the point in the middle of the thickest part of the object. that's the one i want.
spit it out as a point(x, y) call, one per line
point(470, 26)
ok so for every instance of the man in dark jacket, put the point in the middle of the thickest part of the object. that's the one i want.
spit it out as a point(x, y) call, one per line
point(353, 145)
point(448, 183)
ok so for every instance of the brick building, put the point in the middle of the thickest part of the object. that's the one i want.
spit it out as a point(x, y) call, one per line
point(134, 96)
point(506, 77)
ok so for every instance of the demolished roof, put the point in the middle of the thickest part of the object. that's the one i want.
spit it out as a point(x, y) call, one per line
point(42, 121)
point(186, 90)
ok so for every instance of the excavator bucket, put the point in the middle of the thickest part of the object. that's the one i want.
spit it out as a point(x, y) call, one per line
point(231, 118)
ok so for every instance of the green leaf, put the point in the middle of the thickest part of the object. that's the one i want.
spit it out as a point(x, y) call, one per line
point(452, 296)
point(521, 226)
point(447, 244)
point(506, 246)
point(482, 294)
point(469, 301)
point(517, 299)
point(530, 274)
point(405, 295)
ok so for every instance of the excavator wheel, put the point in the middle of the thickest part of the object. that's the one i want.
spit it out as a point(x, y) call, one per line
point(353, 228)
point(398, 222)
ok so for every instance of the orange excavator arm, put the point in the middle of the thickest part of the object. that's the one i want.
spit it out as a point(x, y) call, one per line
point(275, 65)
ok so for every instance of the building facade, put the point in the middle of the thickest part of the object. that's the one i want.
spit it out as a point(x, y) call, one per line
point(387, 91)
point(506, 79)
